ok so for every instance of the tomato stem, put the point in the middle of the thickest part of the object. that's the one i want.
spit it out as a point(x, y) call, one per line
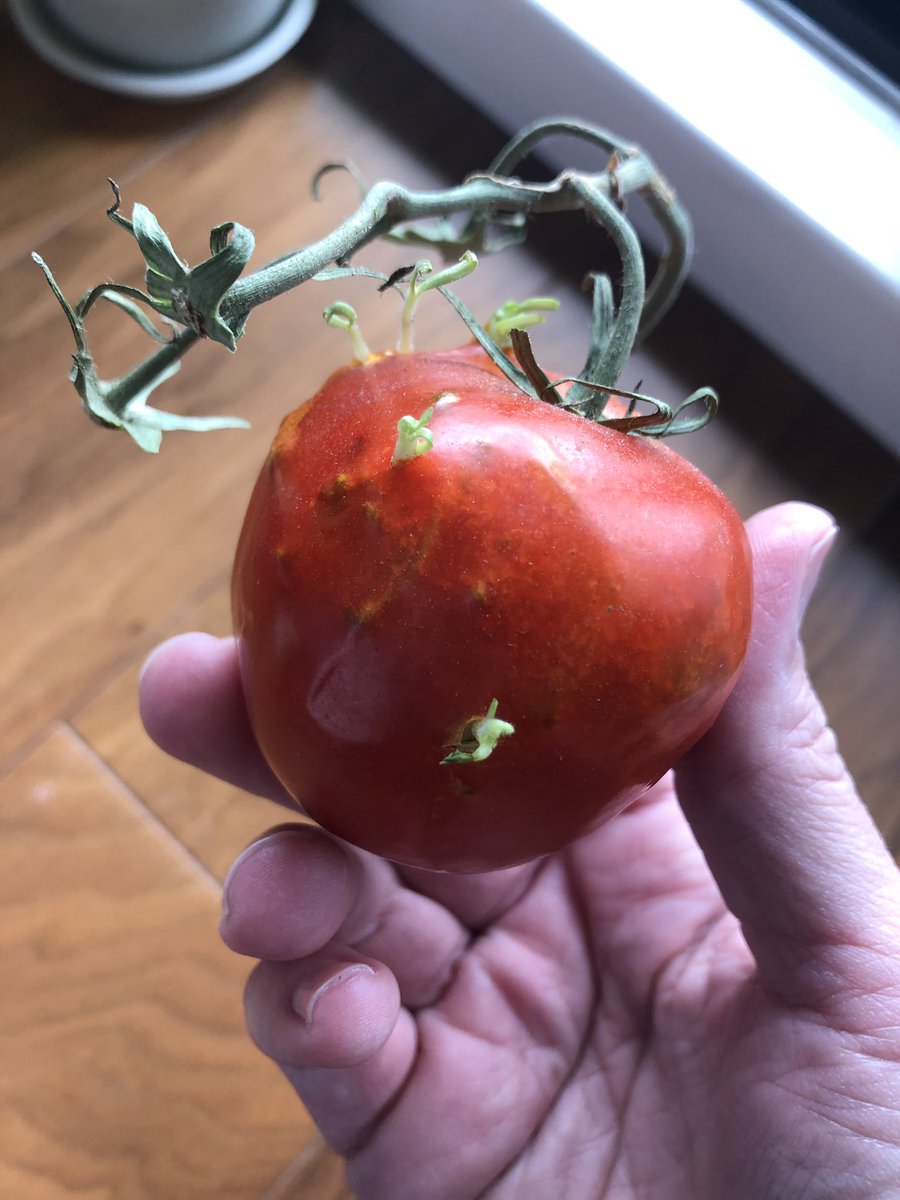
point(606, 370)
point(211, 301)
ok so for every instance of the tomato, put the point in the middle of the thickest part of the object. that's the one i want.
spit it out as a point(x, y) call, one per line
point(592, 583)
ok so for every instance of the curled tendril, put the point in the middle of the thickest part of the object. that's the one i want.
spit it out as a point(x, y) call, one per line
point(329, 168)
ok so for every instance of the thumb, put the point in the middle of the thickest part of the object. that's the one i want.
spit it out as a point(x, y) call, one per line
point(792, 847)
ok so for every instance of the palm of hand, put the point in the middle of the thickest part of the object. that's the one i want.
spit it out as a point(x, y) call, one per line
point(606, 1036)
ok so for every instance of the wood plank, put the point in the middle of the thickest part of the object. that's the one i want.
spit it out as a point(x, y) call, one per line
point(316, 1174)
point(126, 1067)
point(212, 820)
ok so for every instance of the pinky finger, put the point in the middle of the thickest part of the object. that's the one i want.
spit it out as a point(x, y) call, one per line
point(350, 1057)
point(331, 1009)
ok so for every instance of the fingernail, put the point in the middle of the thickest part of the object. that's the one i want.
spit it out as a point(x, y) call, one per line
point(279, 833)
point(145, 665)
point(818, 553)
point(307, 995)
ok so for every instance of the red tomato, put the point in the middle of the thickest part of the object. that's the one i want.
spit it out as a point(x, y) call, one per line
point(594, 583)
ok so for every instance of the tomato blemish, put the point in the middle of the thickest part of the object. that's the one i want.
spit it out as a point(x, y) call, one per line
point(334, 494)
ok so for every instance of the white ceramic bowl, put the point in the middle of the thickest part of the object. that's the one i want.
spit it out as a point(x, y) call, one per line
point(164, 35)
point(162, 49)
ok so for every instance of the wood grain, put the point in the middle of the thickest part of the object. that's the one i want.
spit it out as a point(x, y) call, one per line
point(209, 818)
point(126, 1070)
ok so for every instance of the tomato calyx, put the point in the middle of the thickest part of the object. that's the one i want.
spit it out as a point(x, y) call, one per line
point(663, 421)
point(506, 330)
point(122, 403)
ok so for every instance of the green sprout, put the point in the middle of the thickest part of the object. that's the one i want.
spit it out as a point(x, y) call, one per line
point(343, 316)
point(413, 437)
point(479, 738)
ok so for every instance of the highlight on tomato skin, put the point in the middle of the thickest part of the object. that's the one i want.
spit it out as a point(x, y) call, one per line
point(577, 597)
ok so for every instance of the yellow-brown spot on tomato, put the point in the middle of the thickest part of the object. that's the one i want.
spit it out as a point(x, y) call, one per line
point(282, 565)
point(371, 511)
point(334, 494)
point(368, 610)
point(285, 436)
point(479, 591)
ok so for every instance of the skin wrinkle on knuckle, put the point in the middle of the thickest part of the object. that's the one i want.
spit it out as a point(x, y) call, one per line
point(805, 723)
point(371, 885)
point(796, 756)
point(428, 970)
point(822, 769)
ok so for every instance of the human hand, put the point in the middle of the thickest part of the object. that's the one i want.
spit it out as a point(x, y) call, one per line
point(699, 1001)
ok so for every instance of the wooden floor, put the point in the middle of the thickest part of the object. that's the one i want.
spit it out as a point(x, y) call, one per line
point(125, 1069)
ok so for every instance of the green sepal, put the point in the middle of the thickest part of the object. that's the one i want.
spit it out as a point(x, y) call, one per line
point(165, 270)
point(145, 425)
point(101, 398)
point(487, 343)
point(231, 245)
point(603, 317)
point(678, 423)
point(123, 297)
point(192, 297)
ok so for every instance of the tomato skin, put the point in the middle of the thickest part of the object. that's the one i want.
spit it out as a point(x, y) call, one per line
point(595, 583)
